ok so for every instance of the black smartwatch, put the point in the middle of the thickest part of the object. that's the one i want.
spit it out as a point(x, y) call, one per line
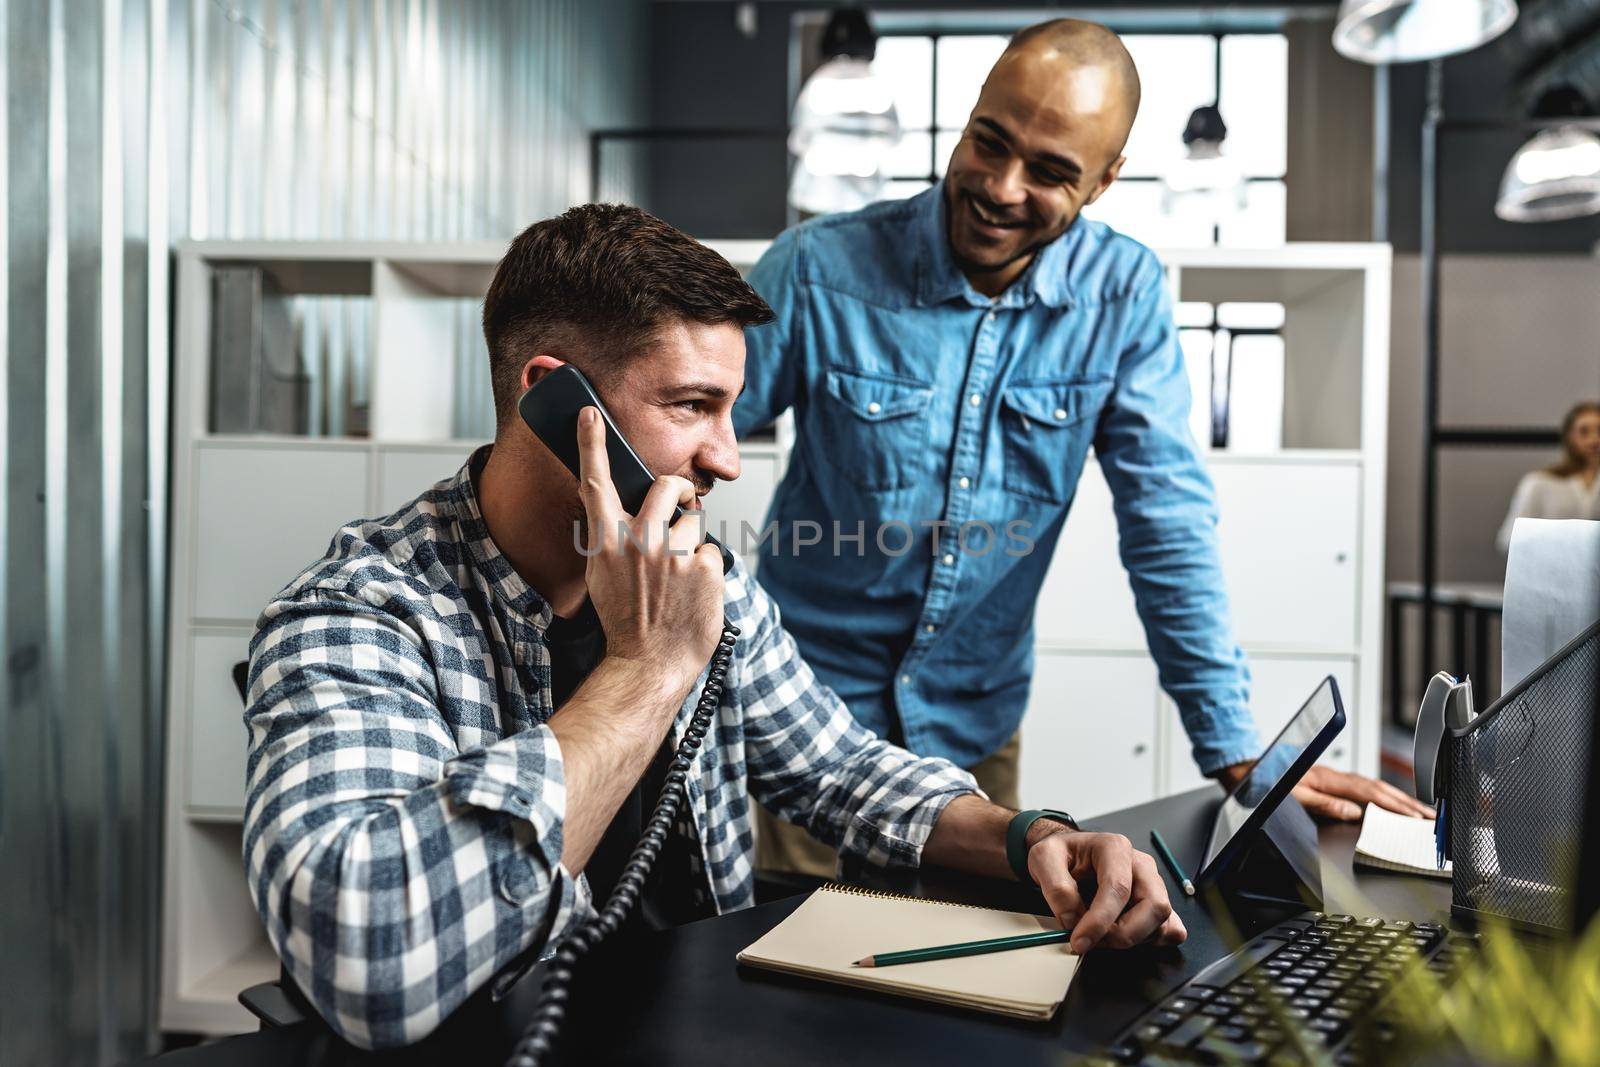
point(1017, 838)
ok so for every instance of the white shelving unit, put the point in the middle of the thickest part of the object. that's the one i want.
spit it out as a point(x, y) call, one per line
point(1301, 532)
point(250, 511)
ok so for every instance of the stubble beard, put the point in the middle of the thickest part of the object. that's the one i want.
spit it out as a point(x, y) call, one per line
point(972, 266)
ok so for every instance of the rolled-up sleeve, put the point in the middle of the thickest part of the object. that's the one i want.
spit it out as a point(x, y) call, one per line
point(1167, 522)
point(812, 764)
point(395, 874)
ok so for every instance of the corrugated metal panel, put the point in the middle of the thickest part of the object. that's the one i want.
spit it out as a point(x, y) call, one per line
point(417, 119)
point(129, 124)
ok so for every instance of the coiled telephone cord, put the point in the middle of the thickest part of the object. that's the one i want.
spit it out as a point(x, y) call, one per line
point(539, 1038)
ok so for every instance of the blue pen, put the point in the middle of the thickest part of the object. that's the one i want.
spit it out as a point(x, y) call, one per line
point(1439, 832)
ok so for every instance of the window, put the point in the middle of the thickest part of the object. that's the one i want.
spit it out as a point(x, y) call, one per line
point(936, 82)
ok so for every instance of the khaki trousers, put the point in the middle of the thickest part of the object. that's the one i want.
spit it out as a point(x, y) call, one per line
point(781, 846)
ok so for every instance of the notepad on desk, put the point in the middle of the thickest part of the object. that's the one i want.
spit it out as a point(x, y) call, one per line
point(1393, 842)
point(838, 925)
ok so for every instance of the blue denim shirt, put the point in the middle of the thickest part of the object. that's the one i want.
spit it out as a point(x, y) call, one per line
point(924, 410)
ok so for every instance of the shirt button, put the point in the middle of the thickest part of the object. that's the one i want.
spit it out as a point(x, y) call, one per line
point(1059, 413)
point(964, 482)
point(905, 679)
point(949, 559)
point(875, 407)
point(990, 316)
point(975, 399)
point(928, 628)
point(518, 882)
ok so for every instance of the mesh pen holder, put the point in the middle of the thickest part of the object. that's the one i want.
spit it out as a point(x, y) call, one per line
point(1517, 791)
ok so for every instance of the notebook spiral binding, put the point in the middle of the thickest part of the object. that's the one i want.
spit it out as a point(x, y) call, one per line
point(883, 894)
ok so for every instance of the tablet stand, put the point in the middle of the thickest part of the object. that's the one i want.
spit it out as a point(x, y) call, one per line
point(1280, 866)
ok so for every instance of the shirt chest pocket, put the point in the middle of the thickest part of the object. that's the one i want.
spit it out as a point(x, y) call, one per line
point(874, 428)
point(1046, 428)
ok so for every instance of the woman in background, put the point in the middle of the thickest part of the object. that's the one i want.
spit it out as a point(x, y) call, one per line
point(1571, 488)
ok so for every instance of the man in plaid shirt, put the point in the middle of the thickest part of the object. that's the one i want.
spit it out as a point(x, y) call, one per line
point(459, 716)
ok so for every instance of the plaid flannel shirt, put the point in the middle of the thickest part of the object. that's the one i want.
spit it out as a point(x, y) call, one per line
point(403, 823)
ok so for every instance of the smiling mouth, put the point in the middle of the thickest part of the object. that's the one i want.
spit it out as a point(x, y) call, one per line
point(987, 219)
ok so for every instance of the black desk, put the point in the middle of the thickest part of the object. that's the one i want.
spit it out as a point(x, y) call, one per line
point(678, 996)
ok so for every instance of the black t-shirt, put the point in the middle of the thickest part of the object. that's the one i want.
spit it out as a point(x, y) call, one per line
point(676, 891)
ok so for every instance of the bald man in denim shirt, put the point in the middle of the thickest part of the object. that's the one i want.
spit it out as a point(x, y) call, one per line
point(950, 359)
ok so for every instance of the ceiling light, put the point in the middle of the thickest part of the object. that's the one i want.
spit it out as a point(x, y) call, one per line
point(1556, 175)
point(1400, 31)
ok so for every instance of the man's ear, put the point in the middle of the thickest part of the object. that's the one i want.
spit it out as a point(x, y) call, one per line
point(536, 368)
point(1106, 179)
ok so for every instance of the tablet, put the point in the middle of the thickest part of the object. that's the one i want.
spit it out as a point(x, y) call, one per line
point(1273, 777)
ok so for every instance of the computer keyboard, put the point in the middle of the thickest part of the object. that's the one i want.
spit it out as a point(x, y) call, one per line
point(1320, 975)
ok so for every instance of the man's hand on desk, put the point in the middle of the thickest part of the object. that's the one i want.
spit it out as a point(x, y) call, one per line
point(1130, 905)
point(1338, 795)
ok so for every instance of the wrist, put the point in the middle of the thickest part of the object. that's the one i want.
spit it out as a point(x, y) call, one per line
point(1024, 831)
point(649, 681)
point(664, 675)
point(1044, 828)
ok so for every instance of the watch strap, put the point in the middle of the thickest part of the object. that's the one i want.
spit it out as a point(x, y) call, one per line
point(1017, 838)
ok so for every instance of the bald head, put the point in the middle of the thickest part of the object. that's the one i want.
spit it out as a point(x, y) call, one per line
point(1073, 44)
point(1044, 140)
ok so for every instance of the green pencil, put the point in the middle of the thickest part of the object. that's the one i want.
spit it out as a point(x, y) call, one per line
point(966, 948)
point(1172, 862)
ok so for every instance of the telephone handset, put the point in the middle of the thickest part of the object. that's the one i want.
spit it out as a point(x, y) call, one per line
point(550, 408)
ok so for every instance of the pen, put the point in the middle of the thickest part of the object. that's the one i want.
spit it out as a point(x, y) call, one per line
point(965, 948)
point(1441, 833)
point(1171, 861)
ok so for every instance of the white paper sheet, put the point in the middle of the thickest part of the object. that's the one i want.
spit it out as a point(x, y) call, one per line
point(1397, 842)
point(1552, 591)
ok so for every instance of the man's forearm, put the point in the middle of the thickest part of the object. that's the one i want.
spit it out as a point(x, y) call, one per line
point(971, 836)
point(609, 730)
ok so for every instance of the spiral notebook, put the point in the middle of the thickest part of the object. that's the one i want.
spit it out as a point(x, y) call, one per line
point(838, 925)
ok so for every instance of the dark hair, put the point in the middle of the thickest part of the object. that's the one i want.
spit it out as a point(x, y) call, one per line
point(1571, 463)
point(594, 285)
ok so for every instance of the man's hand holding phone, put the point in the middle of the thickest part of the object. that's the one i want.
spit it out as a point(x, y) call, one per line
point(656, 586)
point(658, 593)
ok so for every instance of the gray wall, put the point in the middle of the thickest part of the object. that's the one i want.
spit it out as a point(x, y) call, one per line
point(1520, 343)
point(1330, 140)
point(705, 74)
point(129, 125)
point(1477, 85)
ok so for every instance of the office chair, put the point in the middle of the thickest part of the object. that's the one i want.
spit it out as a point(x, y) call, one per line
point(277, 1003)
